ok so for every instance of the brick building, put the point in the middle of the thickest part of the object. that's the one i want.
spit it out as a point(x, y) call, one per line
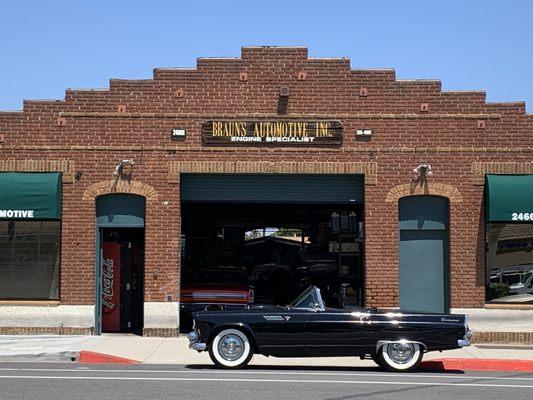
point(402, 168)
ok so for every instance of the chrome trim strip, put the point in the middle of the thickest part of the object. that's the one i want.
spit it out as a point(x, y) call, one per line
point(406, 321)
point(381, 343)
point(320, 301)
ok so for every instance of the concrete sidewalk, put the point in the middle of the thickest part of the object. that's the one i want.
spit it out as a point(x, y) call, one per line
point(175, 351)
point(50, 348)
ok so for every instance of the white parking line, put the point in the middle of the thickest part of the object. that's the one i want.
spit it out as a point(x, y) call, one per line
point(280, 372)
point(337, 382)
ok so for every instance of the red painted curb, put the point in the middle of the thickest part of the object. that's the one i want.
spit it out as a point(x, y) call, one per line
point(478, 364)
point(89, 357)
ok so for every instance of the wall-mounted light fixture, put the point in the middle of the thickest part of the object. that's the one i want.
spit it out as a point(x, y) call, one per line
point(421, 175)
point(423, 170)
point(123, 168)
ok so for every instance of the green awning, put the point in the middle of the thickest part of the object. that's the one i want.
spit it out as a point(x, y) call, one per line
point(28, 195)
point(509, 198)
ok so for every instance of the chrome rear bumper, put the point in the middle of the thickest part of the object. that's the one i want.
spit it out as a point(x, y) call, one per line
point(466, 340)
point(194, 342)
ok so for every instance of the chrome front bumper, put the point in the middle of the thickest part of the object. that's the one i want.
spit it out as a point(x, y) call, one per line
point(194, 342)
point(466, 340)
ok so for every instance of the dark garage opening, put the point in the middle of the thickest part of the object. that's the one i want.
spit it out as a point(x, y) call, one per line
point(264, 238)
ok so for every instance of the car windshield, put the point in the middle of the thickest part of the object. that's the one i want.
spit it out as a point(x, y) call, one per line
point(309, 299)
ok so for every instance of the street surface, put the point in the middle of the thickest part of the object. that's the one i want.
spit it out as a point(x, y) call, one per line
point(45, 381)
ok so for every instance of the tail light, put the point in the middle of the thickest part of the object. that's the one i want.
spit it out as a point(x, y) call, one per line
point(251, 296)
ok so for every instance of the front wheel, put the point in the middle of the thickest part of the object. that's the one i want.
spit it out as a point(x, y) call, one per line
point(230, 348)
point(400, 357)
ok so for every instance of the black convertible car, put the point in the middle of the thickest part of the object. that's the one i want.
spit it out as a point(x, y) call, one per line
point(394, 340)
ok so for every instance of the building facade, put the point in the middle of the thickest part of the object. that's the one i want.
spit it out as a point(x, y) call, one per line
point(415, 167)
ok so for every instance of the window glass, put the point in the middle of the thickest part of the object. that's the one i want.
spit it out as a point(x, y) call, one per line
point(308, 299)
point(509, 263)
point(29, 260)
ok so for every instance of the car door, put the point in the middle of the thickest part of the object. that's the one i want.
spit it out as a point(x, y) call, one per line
point(279, 332)
point(336, 332)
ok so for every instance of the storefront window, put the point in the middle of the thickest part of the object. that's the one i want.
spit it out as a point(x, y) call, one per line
point(509, 263)
point(29, 260)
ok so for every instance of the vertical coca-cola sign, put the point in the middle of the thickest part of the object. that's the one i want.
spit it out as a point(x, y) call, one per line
point(111, 287)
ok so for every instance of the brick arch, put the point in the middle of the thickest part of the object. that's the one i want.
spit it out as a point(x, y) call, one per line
point(437, 189)
point(120, 186)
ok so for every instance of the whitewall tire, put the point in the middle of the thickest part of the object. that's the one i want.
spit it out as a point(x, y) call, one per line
point(231, 348)
point(400, 357)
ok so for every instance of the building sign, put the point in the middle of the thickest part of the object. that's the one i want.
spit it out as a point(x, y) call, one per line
point(178, 134)
point(272, 133)
point(30, 195)
point(17, 213)
point(111, 287)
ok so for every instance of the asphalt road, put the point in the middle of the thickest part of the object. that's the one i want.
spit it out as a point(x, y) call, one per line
point(151, 382)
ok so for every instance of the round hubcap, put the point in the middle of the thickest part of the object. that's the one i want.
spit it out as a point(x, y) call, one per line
point(401, 353)
point(231, 347)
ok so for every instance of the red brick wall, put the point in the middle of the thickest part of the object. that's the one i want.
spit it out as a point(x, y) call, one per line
point(96, 137)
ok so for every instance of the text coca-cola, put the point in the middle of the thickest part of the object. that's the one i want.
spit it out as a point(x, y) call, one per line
point(108, 292)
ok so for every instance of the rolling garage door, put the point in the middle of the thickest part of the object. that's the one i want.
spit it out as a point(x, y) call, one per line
point(266, 188)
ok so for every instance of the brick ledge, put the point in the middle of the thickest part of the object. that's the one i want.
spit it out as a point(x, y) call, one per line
point(87, 114)
point(503, 337)
point(45, 331)
point(479, 337)
point(161, 332)
point(508, 306)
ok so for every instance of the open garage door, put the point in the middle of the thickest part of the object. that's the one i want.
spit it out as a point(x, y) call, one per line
point(264, 238)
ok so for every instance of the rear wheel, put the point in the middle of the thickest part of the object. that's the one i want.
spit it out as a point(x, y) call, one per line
point(231, 348)
point(400, 357)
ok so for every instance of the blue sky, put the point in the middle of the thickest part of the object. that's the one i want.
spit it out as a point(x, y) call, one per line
point(48, 46)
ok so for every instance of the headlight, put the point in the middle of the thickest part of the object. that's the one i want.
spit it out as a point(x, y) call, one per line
point(192, 336)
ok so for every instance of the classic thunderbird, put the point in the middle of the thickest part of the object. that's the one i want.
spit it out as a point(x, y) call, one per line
point(394, 340)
